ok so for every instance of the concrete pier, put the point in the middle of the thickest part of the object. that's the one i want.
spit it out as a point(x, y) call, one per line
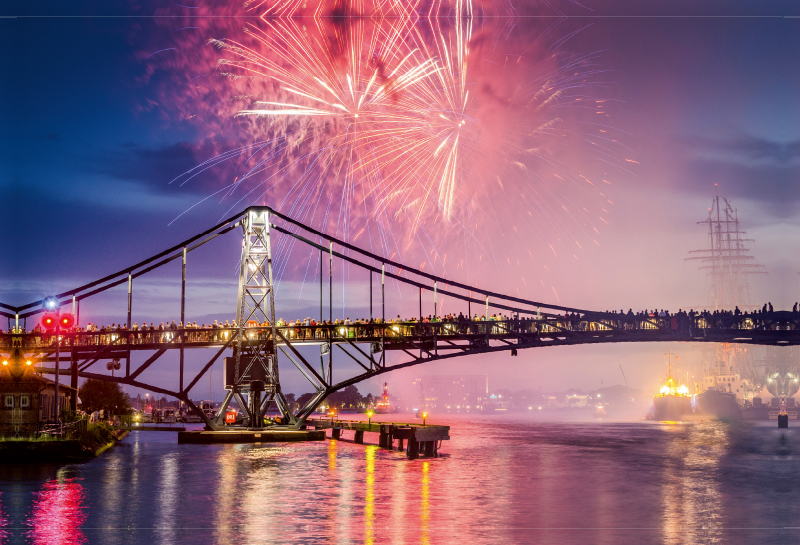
point(416, 439)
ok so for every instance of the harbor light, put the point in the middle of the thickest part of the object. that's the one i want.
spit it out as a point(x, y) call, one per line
point(369, 415)
point(5, 362)
point(424, 417)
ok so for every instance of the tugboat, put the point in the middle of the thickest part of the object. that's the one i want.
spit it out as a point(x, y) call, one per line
point(673, 401)
point(718, 404)
point(383, 406)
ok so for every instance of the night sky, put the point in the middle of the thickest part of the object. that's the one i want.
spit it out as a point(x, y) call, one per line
point(92, 130)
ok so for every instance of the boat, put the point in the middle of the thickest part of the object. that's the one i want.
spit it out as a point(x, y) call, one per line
point(600, 410)
point(168, 415)
point(673, 401)
point(718, 404)
point(384, 406)
point(207, 406)
point(190, 417)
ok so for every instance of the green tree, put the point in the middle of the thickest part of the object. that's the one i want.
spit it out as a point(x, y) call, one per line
point(303, 399)
point(100, 394)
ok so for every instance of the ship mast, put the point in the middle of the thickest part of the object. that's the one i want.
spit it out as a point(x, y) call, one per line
point(728, 265)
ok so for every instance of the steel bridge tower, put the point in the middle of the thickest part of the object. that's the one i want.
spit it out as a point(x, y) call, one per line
point(255, 363)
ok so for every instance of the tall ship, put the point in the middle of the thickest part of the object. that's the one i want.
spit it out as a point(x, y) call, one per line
point(384, 406)
point(732, 378)
point(673, 402)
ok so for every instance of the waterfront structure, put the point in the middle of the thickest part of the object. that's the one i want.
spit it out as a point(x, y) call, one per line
point(454, 392)
point(27, 397)
point(508, 324)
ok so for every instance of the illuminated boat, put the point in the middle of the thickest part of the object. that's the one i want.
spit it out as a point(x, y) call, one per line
point(384, 406)
point(673, 401)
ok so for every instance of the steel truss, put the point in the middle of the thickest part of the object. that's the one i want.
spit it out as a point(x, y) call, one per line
point(257, 340)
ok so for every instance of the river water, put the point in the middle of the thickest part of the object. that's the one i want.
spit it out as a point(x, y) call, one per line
point(499, 480)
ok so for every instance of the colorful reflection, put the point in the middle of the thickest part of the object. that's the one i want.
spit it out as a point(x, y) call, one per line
point(57, 514)
point(4, 522)
point(424, 508)
point(332, 454)
point(369, 497)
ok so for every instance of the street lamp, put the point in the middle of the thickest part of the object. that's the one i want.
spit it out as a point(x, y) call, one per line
point(424, 417)
point(369, 415)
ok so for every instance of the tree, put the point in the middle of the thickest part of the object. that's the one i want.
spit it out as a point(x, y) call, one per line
point(100, 394)
point(347, 398)
point(303, 399)
point(291, 401)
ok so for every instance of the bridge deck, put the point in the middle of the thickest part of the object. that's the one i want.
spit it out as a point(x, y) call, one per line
point(779, 328)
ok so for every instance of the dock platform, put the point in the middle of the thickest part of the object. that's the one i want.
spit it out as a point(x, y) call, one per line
point(419, 440)
point(152, 427)
point(249, 436)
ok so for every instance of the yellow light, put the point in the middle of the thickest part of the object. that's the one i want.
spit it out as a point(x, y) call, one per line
point(28, 362)
point(5, 362)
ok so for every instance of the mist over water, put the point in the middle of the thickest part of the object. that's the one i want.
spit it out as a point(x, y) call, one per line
point(499, 480)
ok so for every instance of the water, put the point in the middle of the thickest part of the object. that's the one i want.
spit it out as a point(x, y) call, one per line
point(511, 480)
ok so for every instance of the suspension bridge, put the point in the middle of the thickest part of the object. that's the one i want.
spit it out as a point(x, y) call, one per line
point(256, 340)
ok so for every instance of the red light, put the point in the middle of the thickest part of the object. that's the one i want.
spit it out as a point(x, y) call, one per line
point(67, 321)
point(49, 320)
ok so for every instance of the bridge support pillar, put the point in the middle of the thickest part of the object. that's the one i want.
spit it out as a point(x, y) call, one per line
point(359, 438)
point(73, 377)
point(336, 433)
point(413, 449)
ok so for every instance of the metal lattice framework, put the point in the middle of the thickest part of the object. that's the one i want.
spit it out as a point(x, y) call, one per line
point(257, 340)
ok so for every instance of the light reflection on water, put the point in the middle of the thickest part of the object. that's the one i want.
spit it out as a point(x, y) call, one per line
point(57, 513)
point(499, 481)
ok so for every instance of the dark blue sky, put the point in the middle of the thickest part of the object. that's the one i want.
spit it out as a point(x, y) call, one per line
point(702, 95)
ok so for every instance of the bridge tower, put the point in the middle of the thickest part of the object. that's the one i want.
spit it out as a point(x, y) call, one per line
point(253, 369)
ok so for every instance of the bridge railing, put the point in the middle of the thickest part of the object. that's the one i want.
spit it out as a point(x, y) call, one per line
point(373, 331)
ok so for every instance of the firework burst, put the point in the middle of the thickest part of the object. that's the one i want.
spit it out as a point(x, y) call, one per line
point(368, 122)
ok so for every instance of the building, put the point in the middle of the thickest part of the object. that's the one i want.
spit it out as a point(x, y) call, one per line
point(27, 398)
point(454, 392)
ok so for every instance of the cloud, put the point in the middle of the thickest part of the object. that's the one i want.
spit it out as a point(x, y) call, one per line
point(747, 149)
point(746, 167)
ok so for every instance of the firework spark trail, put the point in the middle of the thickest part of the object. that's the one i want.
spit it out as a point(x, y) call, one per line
point(370, 125)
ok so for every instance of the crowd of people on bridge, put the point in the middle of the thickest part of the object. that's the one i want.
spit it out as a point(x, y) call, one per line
point(449, 324)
